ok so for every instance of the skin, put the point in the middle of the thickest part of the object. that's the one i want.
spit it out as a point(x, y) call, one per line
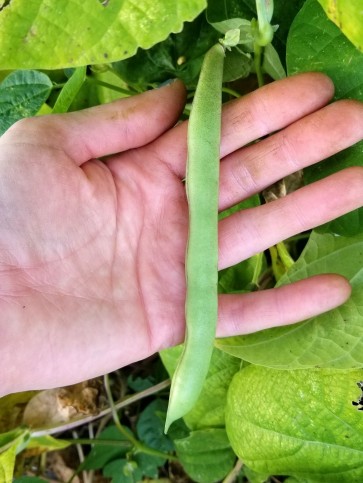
point(92, 254)
point(201, 264)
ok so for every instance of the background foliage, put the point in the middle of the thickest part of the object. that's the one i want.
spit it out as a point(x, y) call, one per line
point(280, 400)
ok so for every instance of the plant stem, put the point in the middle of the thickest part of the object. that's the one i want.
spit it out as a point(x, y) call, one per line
point(154, 452)
point(232, 476)
point(127, 92)
point(100, 442)
point(85, 476)
point(139, 447)
point(257, 270)
point(281, 260)
point(136, 89)
point(114, 413)
point(232, 92)
point(258, 64)
point(284, 255)
point(58, 86)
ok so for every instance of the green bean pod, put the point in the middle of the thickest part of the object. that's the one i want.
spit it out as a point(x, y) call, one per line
point(201, 264)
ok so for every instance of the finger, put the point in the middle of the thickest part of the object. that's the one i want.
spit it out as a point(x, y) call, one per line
point(106, 129)
point(253, 230)
point(257, 114)
point(254, 311)
point(307, 141)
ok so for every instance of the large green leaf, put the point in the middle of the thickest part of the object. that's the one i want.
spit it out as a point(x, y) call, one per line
point(48, 34)
point(316, 44)
point(179, 56)
point(348, 16)
point(22, 93)
point(334, 339)
point(206, 455)
point(209, 409)
point(298, 423)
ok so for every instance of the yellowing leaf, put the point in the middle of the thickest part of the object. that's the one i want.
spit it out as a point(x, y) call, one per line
point(11, 410)
point(297, 423)
point(348, 16)
point(7, 463)
point(206, 455)
point(51, 34)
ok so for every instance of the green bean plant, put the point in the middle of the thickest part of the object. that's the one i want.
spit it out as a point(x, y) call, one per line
point(275, 405)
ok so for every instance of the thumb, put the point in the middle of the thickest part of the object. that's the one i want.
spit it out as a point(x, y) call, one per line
point(107, 129)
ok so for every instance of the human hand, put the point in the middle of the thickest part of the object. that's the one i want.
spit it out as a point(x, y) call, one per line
point(92, 253)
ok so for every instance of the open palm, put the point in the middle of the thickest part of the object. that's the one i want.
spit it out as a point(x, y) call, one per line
point(92, 252)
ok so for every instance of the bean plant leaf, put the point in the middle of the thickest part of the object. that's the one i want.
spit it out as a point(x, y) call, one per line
point(223, 11)
point(132, 470)
point(254, 476)
point(297, 423)
point(334, 339)
point(101, 454)
point(11, 411)
point(237, 65)
point(11, 443)
point(209, 409)
point(348, 225)
point(206, 455)
point(220, 10)
point(179, 56)
point(150, 426)
point(7, 463)
point(312, 45)
point(44, 34)
point(46, 443)
point(122, 471)
point(351, 223)
point(272, 63)
point(16, 437)
point(242, 277)
point(22, 94)
point(108, 94)
point(137, 383)
point(70, 90)
point(348, 16)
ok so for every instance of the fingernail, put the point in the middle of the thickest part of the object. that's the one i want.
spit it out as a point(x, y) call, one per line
point(166, 83)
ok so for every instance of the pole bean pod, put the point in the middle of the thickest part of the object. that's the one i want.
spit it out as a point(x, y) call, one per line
point(201, 264)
